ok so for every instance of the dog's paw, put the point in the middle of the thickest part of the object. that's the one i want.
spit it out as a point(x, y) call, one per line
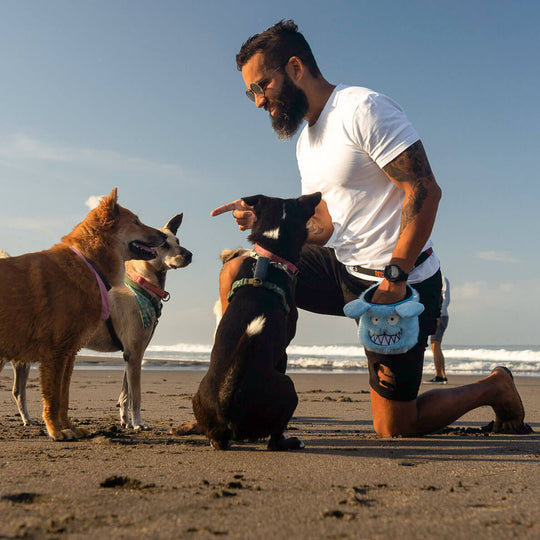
point(63, 435)
point(81, 433)
point(143, 426)
point(31, 422)
point(285, 443)
point(189, 428)
point(220, 445)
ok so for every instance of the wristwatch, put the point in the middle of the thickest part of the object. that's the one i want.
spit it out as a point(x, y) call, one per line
point(394, 273)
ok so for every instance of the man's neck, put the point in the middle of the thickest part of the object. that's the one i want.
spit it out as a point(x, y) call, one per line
point(318, 93)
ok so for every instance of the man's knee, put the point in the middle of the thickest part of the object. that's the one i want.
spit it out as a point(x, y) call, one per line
point(390, 428)
point(393, 418)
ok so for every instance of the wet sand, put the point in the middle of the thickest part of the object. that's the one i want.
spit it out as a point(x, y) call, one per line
point(346, 483)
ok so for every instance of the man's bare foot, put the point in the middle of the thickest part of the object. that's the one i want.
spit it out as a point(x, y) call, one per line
point(189, 428)
point(509, 411)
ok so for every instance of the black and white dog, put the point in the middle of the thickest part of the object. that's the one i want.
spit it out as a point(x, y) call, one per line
point(246, 394)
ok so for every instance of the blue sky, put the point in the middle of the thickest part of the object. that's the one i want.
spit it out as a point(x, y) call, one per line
point(145, 95)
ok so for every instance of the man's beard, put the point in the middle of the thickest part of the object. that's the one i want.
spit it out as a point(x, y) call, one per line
point(292, 107)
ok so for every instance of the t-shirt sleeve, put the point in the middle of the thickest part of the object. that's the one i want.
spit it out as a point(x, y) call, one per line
point(382, 129)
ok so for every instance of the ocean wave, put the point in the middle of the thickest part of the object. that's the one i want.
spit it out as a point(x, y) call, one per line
point(316, 363)
point(316, 350)
point(335, 358)
point(181, 347)
point(356, 351)
point(500, 355)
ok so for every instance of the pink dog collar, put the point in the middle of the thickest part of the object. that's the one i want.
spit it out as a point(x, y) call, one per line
point(164, 295)
point(265, 253)
point(105, 307)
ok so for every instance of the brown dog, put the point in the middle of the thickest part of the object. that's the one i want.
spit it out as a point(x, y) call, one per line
point(52, 301)
point(125, 330)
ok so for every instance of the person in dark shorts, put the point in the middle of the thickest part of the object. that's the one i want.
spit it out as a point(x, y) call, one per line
point(436, 338)
point(379, 202)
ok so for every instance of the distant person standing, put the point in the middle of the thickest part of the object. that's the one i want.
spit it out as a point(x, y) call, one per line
point(436, 338)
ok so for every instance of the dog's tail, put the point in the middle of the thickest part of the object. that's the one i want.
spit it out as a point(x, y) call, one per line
point(227, 254)
point(239, 357)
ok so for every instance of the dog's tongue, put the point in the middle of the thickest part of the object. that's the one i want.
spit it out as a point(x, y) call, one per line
point(145, 248)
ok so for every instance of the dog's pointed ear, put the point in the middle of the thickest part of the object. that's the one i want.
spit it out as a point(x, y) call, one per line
point(111, 198)
point(309, 202)
point(108, 206)
point(253, 200)
point(174, 223)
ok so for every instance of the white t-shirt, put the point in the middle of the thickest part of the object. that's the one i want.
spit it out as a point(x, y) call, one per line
point(342, 155)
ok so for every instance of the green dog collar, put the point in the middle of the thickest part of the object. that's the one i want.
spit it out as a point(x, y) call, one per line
point(257, 282)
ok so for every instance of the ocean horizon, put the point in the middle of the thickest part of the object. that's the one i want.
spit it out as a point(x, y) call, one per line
point(346, 358)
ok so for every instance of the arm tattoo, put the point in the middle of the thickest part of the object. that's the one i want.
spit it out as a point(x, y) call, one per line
point(412, 167)
point(413, 206)
point(313, 227)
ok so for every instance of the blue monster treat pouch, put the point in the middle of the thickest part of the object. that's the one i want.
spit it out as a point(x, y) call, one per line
point(387, 328)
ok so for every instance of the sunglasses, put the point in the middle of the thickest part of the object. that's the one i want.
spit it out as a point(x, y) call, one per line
point(260, 86)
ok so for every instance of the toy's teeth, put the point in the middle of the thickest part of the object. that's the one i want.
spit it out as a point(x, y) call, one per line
point(385, 339)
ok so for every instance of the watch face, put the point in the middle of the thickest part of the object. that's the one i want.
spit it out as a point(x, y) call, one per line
point(394, 273)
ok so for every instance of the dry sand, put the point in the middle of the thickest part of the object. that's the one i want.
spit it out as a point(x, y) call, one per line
point(347, 483)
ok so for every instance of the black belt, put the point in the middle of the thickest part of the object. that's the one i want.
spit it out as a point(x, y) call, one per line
point(380, 273)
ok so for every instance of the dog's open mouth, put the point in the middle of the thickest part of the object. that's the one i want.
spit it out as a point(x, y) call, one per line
point(142, 251)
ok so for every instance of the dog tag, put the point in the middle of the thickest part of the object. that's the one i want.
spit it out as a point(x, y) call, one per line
point(261, 268)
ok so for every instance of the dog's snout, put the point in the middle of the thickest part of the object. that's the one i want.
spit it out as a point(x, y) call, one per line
point(187, 255)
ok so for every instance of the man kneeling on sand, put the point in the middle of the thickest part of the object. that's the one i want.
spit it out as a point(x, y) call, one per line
point(379, 201)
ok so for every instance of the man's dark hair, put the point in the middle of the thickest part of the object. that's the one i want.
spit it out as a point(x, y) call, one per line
point(278, 44)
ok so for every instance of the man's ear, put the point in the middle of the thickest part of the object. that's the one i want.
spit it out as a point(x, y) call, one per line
point(295, 68)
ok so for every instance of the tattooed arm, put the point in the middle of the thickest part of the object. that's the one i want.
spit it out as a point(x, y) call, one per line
point(320, 226)
point(411, 172)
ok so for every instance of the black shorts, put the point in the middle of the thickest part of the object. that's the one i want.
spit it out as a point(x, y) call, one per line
point(324, 286)
point(441, 328)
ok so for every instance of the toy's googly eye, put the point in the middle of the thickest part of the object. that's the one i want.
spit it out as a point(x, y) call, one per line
point(375, 320)
point(393, 320)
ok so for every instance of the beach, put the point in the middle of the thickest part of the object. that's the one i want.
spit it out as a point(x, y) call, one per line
point(346, 483)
